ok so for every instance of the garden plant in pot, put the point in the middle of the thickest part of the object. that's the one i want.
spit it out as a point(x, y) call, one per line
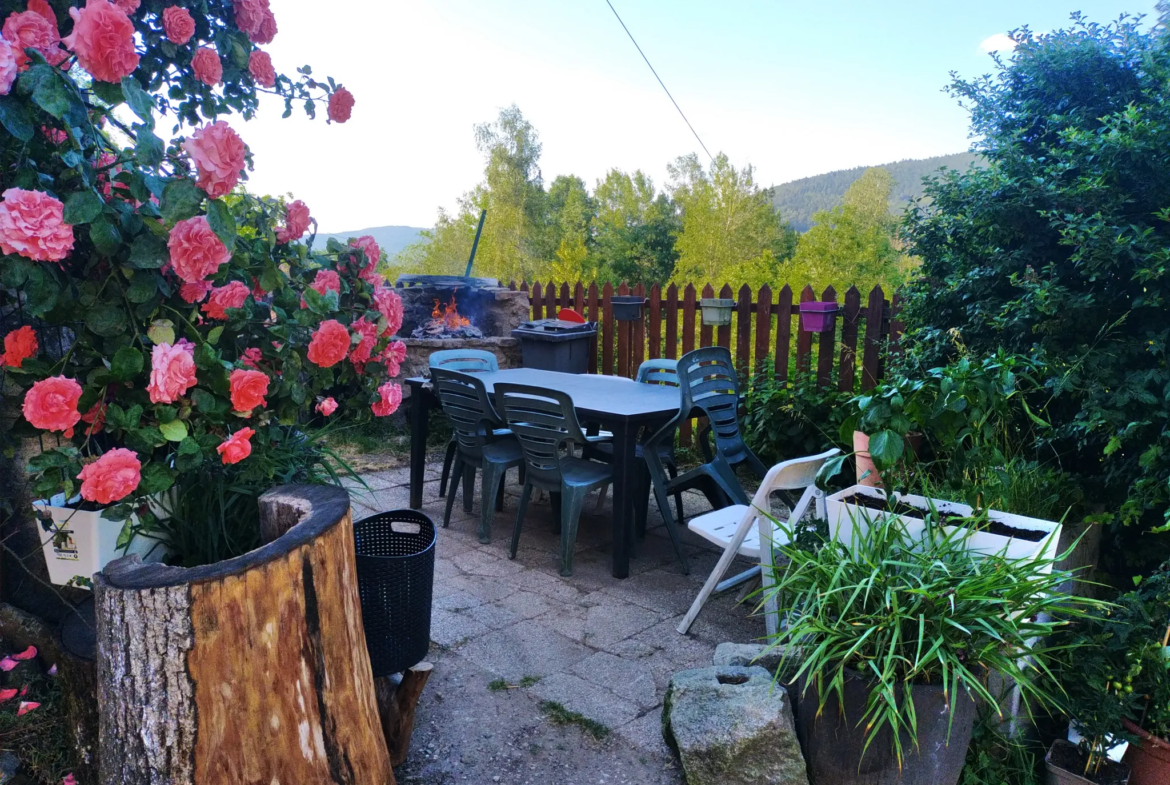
point(896, 635)
point(207, 336)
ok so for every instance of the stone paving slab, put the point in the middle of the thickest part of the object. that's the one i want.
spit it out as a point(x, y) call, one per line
point(602, 647)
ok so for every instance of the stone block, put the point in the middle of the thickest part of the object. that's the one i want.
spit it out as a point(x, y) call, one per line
point(732, 726)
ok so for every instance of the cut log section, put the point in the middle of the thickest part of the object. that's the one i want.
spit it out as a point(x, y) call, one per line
point(397, 699)
point(253, 669)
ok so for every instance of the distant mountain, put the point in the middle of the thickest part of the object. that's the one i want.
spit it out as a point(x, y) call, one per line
point(391, 239)
point(799, 199)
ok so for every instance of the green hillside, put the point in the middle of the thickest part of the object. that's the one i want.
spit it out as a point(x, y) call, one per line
point(391, 239)
point(799, 199)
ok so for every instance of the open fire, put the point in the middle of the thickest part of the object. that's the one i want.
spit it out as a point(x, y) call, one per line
point(447, 322)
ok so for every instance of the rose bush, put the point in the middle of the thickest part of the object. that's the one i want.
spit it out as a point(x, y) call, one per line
point(207, 334)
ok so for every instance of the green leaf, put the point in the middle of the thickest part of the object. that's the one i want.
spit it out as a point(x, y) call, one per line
point(139, 101)
point(105, 237)
point(126, 534)
point(14, 272)
point(214, 334)
point(886, 447)
point(118, 512)
point(143, 286)
point(106, 320)
point(188, 446)
point(166, 413)
point(219, 217)
point(162, 331)
point(174, 431)
point(41, 290)
point(149, 150)
point(180, 200)
point(208, 403)
point(148, 252)
point(270, 279)
point(108, 92)
point(133, 416)
point(82, 207)
point(144, 439)
point(321, 304)
point(156, 478)
point(126, 363)
point(15, 119)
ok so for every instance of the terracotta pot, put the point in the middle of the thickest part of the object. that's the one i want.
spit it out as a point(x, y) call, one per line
point(1148, 758)
point(864, 462)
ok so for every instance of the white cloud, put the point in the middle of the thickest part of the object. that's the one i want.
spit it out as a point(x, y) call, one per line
point(1000, 42)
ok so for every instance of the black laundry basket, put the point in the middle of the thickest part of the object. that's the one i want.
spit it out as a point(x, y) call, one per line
point(396, 572)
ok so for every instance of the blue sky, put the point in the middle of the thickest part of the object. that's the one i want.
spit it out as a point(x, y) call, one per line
point(793, 88)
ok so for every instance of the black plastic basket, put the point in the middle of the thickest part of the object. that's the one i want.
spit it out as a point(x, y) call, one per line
point(396, 572)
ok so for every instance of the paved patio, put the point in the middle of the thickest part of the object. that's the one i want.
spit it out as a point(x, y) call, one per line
point(602, 647)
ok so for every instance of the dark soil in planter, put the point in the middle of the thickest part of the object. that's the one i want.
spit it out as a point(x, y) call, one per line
point(1071, 758)
point(901, 508)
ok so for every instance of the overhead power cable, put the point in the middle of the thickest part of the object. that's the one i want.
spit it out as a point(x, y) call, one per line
point(659, 78)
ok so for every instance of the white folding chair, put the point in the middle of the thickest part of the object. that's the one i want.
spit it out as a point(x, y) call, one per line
point(746, 530)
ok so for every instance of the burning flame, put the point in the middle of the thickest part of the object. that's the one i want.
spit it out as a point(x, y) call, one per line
point(449, 315)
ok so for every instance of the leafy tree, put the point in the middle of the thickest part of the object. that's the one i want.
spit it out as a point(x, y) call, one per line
point(636, 228)
point(728, 223)
point(1060, 247)
point(854, 243)
point(570, 215)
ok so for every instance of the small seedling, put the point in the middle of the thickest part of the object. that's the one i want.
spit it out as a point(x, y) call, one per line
point(499, 684)
point(559, 715)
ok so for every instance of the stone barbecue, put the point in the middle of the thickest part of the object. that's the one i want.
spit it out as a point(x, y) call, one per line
point(454, 312)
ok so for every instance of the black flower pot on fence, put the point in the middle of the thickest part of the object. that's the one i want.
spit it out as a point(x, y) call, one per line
point(396, 571)
point(627, 307)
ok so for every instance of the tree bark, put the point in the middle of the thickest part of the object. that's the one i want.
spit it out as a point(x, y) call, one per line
point(397, 699)
point(252, 670)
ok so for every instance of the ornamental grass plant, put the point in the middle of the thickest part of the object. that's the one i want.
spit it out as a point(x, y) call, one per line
point(901, 610)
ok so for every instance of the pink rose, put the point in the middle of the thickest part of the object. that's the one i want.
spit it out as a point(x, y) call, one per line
point(19, 345)
point(231, 296)
point(26, 707)
point(327, 406)
point(196, 252)
point(392, 356)
point(128, 7)
point(389, 398)
point(260, 67)
point(218, 153)
point(255, 18)
point(248, 389)
point(330, 344)
point(340, 104)
point(30, 30)
point(208, 69)
point(296, 223)
point(43, 8)
point(96, 417)
point(251, 357)
point(389, 304)
point(172, 372)
point(178, 24)
point(326, 281)
point(55, 135)
point(103, 40)
point(8, 66)
point(32, 224)
point(368, 336)
point(51, 404)
point(111, 477)
point(236, 447)
point(195, 292)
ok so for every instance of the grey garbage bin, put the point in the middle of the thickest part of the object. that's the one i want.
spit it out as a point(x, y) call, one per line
point(556, 345)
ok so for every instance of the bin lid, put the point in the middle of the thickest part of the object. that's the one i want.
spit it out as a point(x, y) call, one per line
point(555, 327)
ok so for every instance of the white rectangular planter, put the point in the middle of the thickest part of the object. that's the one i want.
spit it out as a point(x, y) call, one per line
point(82, 542)
point(844, 517)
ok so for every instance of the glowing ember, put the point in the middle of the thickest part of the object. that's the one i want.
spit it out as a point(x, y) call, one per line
point(446, 322)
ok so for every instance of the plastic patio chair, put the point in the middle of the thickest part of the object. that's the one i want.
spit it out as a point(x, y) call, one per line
point(746, 530)
point(465, 361)
point(479, 444)
point(545, 423)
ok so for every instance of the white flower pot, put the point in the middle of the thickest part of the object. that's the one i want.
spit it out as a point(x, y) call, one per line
point(844, 517)
point(78, 543)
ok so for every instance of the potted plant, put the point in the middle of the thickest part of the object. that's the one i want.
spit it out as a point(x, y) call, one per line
point(817, 316)
point(203, 331)
point(716, 311)
point(627, 307)
point(896, 633)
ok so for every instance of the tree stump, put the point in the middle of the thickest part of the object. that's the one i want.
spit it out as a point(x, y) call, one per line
point(251, 670)
point(397, 699)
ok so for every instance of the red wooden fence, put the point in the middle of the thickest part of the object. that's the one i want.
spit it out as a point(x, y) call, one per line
point(763, 326)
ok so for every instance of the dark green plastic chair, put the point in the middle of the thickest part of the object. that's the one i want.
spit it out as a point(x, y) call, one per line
point(479, 444)
point(708, 387)
point(545, 423)
point(465, 361)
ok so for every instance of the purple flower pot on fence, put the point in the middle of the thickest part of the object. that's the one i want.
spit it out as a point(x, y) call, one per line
point(817, 317)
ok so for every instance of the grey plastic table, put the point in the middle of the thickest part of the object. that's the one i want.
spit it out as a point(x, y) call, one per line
point(619, 405)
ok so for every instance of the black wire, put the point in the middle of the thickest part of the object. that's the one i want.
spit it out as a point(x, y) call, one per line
point(659, 78)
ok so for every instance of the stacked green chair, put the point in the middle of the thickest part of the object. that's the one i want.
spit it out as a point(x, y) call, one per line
point(464, 361)
point(545, 423)
point(480, 442)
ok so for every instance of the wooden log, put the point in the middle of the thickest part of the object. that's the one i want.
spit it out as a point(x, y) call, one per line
point(253, 669)
point(397, 699)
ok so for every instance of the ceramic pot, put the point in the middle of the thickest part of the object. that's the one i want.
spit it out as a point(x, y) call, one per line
point(1148, 758)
